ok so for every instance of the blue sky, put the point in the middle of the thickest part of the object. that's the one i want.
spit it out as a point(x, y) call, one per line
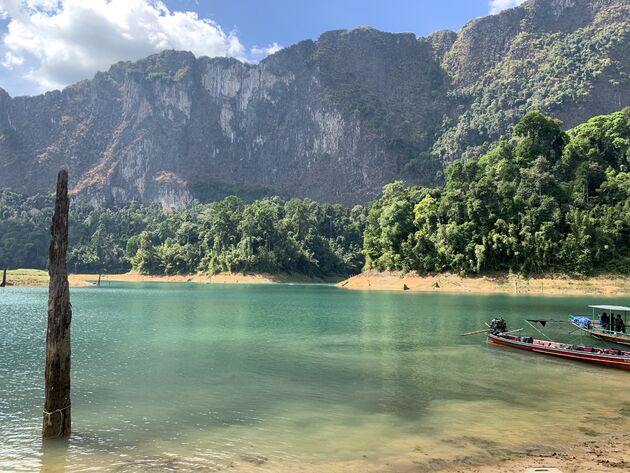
point(48, 44)
point(287, 22)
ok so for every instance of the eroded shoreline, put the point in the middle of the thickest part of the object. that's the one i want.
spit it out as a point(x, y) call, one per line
point(33, 277)
point(489, 284)
point(560, 285)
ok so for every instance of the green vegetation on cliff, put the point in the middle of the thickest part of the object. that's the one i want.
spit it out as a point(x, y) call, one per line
point(545, 201)
point(549, 56)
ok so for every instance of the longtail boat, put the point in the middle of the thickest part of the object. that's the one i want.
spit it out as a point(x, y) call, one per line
point(600, 356)
point(602, 325)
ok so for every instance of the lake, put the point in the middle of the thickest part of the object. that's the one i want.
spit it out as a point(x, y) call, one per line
point(185, 377)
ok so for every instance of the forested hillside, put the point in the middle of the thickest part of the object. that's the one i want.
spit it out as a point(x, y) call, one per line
point(545, 201)
point(266, 235)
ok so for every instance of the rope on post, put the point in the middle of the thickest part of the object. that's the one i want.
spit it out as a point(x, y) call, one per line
point(49, 414)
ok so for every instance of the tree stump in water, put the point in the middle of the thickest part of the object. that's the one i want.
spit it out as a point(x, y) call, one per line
point(56, 422)
point(4, 279)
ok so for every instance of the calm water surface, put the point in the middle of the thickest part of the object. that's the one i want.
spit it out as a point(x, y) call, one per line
point(179, 377)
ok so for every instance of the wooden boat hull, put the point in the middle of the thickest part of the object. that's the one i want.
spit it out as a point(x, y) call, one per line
point(607, 337)
point(602, 359)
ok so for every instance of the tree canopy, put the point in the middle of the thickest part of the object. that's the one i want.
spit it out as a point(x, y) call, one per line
point(545, 201)
point(267, 235)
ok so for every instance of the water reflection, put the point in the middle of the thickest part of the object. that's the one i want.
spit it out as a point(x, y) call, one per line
point(54, 453)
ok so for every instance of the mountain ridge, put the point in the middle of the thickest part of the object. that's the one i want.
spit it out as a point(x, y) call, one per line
point(333, 119)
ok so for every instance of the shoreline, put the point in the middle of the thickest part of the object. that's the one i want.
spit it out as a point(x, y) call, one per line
point(500, 283)
point(604, 453)
point(552, 285)
point(35, 277)
point(607, 453)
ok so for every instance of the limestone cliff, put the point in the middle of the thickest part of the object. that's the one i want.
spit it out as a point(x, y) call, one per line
point(332, 119)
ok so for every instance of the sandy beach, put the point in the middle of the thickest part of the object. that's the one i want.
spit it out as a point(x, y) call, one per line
point(606, 454)
point(371, 280)
point(35, 277)
point(220, 278)
point(491, 284)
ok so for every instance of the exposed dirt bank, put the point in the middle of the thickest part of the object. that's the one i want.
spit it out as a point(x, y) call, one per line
point(490, 284)
point(35, 277)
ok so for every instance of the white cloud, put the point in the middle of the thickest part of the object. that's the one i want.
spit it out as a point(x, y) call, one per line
point(497, 6)
point(11, 60)
point(59, 42)
point(271, 49)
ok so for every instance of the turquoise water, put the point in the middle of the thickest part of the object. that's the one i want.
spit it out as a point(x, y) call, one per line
point(185, 377)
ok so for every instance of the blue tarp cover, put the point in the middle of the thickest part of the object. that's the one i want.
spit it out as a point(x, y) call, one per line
point(581, 320)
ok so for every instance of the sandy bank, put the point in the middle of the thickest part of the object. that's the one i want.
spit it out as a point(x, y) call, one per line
point(37, 277)
point(220, 278)
point(606, 454)
point(34, 277)
point(491, 284)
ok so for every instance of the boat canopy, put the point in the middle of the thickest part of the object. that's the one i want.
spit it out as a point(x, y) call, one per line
point(611, 307)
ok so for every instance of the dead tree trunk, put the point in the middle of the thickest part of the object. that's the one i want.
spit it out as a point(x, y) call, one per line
point(57, 389)
point(4, 278)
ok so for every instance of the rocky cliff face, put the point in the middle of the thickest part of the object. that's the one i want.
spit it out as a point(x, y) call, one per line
point(332, 120)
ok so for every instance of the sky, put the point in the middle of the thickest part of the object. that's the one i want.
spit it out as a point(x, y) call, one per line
point(49, 44)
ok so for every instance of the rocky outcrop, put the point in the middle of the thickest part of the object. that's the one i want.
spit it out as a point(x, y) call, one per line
point(332, 119)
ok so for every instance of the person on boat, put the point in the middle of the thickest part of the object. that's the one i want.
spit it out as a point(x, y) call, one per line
point(605, 321)
point(620, 326)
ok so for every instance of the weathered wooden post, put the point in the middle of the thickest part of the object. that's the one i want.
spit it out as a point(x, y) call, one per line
point(4, 278)
point(57, 389)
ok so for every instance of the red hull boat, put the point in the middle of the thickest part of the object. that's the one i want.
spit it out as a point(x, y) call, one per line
point(600, 356)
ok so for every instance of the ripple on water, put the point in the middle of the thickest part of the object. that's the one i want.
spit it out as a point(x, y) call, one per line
point(211, 378)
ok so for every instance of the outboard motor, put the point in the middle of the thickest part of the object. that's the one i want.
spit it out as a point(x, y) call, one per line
point(498, 326)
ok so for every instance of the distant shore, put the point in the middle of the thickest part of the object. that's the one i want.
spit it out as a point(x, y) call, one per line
point(489, 284)
point(557, 285)
point(36, 277)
